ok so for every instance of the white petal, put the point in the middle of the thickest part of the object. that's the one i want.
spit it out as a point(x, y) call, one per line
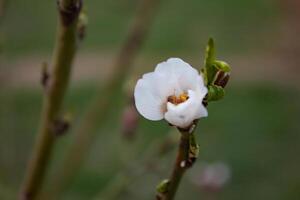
point(161, 85)
point(200, 87)
point(185, 75)
point(174, 66)
point(147, 102)
point(182, 115)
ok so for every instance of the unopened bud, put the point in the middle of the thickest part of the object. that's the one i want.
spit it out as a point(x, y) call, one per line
point(82, 24)
point(129, 122)
point(162, 187)
point(222, 66)
point(222, 79)
point(215, 93)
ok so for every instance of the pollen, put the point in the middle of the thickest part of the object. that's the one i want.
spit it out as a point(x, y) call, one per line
point(178, 99)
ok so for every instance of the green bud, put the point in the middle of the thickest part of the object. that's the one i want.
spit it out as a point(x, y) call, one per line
point(209, 53)
point(221, 65)
point(162, 187)
point(210, 69)
point(82, 24)
point(194, 147)
point(215, 93)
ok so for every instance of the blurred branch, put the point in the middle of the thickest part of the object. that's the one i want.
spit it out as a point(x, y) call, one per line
point(3, 7)
point(63, 55)
point(290, 42)
point(145, 162)
point(100, 107)
point(3, 4)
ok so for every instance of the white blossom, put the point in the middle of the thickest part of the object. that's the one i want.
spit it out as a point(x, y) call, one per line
point(174, 92)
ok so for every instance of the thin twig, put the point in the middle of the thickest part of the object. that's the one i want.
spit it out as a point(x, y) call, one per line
point(181, 164)
point(62, 60)
point(3, 5)
point(188, 147)
point(100, 107)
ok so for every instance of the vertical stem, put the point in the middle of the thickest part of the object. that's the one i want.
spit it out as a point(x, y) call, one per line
point(180, 166)
point(55, 90)
point(101, 105)
point(178, 170)
point(290, 45)
point(186, 156)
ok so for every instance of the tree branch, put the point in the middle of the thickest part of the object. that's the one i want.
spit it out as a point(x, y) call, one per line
point(182, 163)
point(99, 108)
point(188, 147)
point(63, 55)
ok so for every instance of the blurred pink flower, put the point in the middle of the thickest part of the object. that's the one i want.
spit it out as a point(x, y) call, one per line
point(129, 122)
point(213, 177)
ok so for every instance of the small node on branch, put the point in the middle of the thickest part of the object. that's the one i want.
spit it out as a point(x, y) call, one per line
point(183, 164)
point(82, 24)
point(63, 55)
point(61, 126)
point(26, 196)
point(45, 76)
point(70, 13)
point(191, 160)
point(162, 189)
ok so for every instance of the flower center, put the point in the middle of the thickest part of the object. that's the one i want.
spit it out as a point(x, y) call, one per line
point(178, 99)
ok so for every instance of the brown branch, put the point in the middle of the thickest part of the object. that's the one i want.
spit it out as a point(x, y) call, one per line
point(62, 60)
point(182, 163)
point(187, 151)
point(100, 107)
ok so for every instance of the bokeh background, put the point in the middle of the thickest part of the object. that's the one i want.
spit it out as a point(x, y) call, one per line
point(253, 133)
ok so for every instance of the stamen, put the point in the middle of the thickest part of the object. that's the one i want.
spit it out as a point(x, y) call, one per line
point(177, 100)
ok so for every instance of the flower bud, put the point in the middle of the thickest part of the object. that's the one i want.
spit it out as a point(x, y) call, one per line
point(215, 93)
point(221, 65)
point(222, 79)
point(82, 24)
point(129, 122)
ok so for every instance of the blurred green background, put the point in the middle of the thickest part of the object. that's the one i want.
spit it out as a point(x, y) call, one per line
point(254, 130)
